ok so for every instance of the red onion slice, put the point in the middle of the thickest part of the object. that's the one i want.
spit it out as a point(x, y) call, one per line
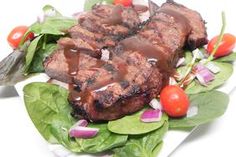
point(151, 115)
point(81, 122)
point(203, 74)
point(83, 132)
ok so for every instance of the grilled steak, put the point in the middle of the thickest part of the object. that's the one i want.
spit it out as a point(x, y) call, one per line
point(139, 65)
point(198, 35)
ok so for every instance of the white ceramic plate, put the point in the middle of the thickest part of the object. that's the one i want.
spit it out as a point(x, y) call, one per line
point(209, 13)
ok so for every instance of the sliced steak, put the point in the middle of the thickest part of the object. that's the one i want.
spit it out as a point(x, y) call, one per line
point(198, 35)
point(56, 65)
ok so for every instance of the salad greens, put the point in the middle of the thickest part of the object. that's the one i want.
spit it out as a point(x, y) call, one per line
point(105, 140)
point(229, 58)
point(210, 105)
point(49, 110)
point(147, 145)
point(133, 126)
point(41, 54)
point(226, 71)
point(53, 23)
point(53, 26)
point(31, 51)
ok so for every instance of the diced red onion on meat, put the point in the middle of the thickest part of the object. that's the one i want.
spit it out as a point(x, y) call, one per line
point(172, 81)
point(203, 74)
point(105, 55)
point(213, 67)
point(83, 132)
point(151, 115)
point(180, 62)
point(155, 104)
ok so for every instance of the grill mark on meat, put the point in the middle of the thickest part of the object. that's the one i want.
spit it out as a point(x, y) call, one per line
point(83, 97)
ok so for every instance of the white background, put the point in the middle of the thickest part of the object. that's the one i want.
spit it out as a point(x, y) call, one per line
point(18, 136)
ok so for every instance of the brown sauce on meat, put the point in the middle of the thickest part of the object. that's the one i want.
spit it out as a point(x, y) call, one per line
point(72, 59)
point(148, 50)
point(115, 17)
point(178, 18)
point(140, 8)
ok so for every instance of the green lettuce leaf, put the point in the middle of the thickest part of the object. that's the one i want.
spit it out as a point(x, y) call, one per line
point(229, 58)
point(132, 125)
point(105, 140)
point(37, 62)
point(49, 110)
point(147, 145)
point(209, 105)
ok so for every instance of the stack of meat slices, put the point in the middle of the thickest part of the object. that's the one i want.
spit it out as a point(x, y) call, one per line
point(141, 57)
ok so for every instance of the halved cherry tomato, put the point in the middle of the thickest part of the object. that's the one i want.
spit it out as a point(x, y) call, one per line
point(226, 46)
point(174, 101)
point(15, 36)
point(125, 3)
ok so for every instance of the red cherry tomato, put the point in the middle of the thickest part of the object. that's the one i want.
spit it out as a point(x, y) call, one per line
point(15, 36)
point(174, 101)
point(226, 46)
point(125, 3)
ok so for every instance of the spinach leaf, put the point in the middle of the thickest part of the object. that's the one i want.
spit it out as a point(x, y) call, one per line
point(147, 145)
point(220, 78)
point(50, 10)
point(210, 106)
point(132, 125)
point(157, 150)
point(37, 63)
point(229, 58)
point(105, 140)
point(55, 25)
point(90, 3)
point(31, 52)
point(49, 110)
